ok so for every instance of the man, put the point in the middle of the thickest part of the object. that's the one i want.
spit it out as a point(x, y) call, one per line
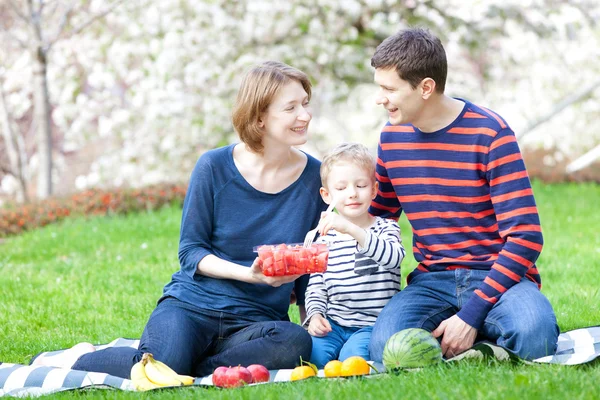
point(456, 170)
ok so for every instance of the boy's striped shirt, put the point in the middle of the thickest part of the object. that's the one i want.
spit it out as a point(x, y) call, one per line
point(467, 195)
point(351, 292)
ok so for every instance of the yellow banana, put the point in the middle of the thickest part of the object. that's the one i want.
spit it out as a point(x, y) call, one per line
point(161, 374)
point(139, 379)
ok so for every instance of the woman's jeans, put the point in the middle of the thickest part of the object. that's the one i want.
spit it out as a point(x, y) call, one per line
point(522, 320)
point(194, 341)
point(342, 342)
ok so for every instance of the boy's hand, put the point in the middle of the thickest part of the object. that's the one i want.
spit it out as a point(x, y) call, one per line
point(331, 220)
point(318, 326)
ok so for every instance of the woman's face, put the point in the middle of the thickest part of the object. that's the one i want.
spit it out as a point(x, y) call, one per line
point(287, 117)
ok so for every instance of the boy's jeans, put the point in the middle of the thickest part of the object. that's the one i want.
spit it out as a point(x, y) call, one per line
point(522, 320)
point(194, 342)
point(342, 342)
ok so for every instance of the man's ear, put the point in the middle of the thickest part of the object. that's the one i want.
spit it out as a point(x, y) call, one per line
point(427, 88)
point(375, 189)
point(325, 195)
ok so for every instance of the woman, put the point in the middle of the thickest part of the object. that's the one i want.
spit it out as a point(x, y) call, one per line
point(219, 309)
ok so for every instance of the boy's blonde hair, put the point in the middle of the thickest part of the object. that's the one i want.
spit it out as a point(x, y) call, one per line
point(258, 89)
point(355, 153)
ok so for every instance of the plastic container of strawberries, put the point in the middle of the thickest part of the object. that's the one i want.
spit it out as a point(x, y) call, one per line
point(292, 259)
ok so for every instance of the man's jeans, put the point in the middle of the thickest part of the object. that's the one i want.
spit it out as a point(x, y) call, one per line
point(522, 320)
point(342, 342)
point(194, 342)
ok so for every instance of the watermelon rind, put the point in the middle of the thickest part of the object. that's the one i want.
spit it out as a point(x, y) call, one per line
point(411, 348)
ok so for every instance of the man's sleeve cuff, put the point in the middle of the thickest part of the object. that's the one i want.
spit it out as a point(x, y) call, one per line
point(475, 311)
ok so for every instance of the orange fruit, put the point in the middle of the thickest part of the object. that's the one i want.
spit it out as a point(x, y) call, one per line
point(333, 369)
point(355, 365)
point(302, 372)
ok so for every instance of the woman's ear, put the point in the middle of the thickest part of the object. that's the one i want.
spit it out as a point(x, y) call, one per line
point(260, 122)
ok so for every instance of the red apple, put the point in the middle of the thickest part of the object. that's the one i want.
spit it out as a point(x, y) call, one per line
point(237, 376)
point(259, 373)
point(218, 377)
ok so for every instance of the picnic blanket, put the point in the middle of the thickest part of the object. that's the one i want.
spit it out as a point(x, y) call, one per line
point(580, 346)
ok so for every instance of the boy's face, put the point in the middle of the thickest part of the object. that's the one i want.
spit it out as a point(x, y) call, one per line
point(352, 187)
point(402, 102)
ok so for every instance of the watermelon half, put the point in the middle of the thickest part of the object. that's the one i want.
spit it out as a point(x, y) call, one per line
point(411, 348)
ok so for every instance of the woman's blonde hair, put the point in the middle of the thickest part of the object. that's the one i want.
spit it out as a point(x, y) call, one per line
point(260, 85)
point(354, 153)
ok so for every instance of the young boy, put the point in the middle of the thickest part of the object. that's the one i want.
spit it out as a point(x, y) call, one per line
point(363, 272)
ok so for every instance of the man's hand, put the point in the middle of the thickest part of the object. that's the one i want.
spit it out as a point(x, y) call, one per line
point(319, 326)
point(457, 336)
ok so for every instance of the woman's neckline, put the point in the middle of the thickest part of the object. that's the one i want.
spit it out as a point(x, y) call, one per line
point(237, 171)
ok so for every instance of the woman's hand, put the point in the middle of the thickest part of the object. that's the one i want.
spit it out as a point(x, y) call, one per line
point(257, 276)
point(215, 267)
point(318, 326)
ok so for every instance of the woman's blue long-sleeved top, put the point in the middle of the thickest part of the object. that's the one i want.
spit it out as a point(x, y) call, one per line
point(225, 216)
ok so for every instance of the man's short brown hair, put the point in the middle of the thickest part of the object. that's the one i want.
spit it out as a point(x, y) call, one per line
point(260, 85)
point(415, 54)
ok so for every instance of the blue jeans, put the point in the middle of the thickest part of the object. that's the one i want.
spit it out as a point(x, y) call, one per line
point(342, 342)
point(522, 320)
point(194, 341)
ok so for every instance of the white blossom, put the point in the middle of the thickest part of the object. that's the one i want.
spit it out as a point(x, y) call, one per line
point(155, 80)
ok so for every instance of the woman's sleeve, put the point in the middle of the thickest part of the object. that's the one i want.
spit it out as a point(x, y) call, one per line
point(197, 218)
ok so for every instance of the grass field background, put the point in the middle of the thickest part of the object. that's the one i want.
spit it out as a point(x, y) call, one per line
point(98, 279)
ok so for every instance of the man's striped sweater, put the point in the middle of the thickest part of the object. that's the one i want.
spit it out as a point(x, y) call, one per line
point(467, 195)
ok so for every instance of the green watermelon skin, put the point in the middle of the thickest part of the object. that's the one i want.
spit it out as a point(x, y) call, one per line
point(411, 348)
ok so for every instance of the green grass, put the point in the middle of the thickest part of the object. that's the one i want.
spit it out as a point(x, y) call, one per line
point(98, 279)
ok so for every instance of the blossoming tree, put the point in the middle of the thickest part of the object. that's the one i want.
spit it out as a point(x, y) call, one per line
point(149, 87)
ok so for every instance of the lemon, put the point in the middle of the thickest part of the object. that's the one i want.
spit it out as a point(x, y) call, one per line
point(333, 369)
point(355, 365)
point(302, 372)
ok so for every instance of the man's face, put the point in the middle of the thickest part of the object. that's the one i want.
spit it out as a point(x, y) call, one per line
point(402, 102)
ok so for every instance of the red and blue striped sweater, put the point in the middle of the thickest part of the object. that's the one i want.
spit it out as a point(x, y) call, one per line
point(467, 195)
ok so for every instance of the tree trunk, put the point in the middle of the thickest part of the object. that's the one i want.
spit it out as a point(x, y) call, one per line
point(585, 160)
point(42, 120)
point(558, 107)
point(15, 149)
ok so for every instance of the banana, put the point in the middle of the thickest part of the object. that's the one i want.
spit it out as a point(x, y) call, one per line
point(140, 379)
point(161, 374)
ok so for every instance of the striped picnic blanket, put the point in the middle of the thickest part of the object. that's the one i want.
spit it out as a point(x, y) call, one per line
point(575, 347)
